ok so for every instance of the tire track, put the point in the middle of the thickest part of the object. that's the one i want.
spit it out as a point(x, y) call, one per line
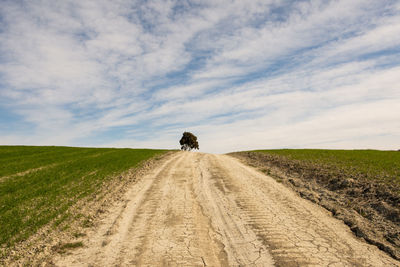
point(241, 244)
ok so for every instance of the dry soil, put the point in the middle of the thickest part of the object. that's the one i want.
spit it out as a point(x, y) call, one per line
point(211, 210)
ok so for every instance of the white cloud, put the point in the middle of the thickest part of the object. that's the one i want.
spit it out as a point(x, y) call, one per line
point(241, 74)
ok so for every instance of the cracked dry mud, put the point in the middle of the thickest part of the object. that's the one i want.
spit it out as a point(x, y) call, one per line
point(211, 210)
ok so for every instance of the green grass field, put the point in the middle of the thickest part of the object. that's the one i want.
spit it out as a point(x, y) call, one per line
point(39, 184)
point(372, 164)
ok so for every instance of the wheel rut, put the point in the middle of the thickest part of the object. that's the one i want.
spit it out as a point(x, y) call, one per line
point(199, 209)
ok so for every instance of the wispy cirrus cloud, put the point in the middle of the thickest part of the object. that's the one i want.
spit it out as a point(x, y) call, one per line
point(240, 74)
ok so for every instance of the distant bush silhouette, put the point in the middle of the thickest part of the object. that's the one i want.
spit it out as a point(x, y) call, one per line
point(188, 141)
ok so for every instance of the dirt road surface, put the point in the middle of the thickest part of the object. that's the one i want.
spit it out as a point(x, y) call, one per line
point(199, 209)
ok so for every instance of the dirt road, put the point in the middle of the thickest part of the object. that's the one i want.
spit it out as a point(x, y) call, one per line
point(211, 210)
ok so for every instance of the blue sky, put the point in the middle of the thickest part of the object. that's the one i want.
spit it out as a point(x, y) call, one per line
point(238, 74)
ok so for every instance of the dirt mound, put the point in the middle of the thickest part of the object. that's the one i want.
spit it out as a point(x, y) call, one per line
point(371, 209)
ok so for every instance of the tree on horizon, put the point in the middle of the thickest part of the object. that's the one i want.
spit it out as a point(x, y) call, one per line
point(188, 141)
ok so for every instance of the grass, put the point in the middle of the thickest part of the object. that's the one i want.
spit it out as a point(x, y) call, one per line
point(372, 164)
point(39, 184)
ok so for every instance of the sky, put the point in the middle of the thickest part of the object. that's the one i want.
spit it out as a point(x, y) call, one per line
point(239, 75)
